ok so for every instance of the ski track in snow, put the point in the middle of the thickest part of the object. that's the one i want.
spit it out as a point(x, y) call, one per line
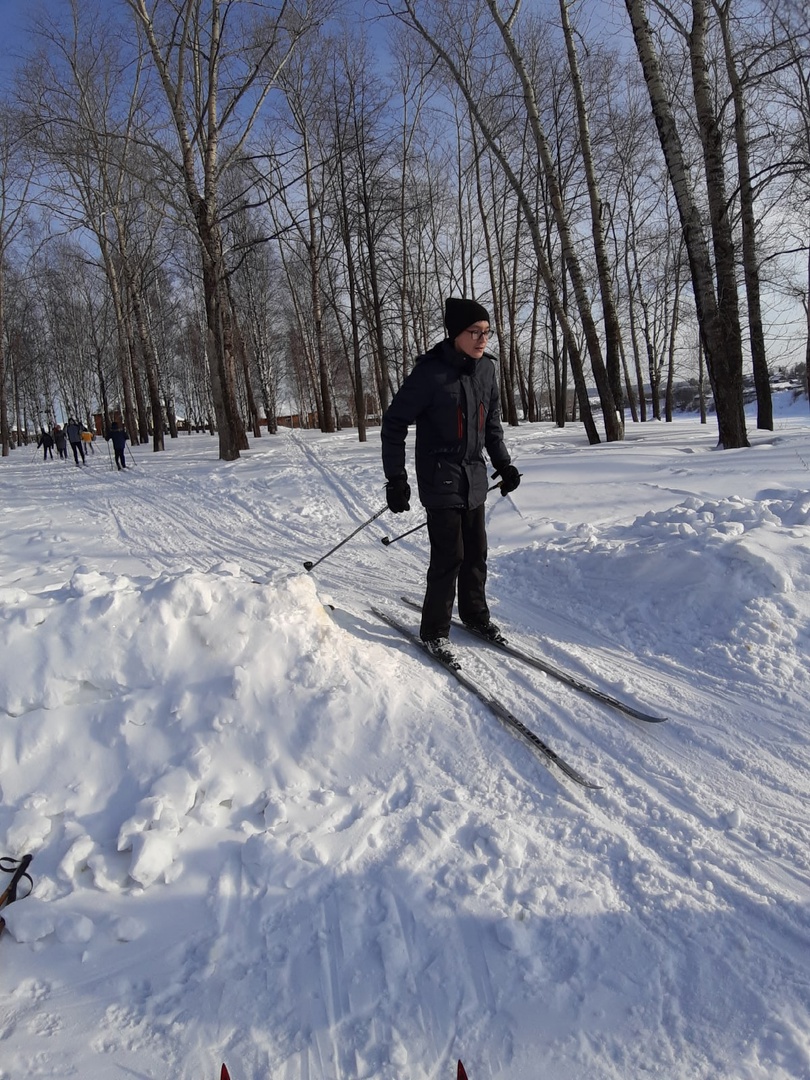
point(457, 897)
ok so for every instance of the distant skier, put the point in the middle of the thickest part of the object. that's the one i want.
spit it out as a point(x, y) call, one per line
point(60, 439)
point(45, 440)
point(73, 431)
point(118, 437)
point(451, 395)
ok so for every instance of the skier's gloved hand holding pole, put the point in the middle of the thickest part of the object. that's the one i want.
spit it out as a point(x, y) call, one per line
point(388, 541)
point(398, 494)
point(510, 478)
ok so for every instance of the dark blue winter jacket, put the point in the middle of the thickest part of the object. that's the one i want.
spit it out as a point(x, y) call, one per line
point(118, 437)
point(455, 404)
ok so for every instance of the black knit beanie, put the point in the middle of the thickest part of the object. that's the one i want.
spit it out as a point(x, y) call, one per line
point(459, 314)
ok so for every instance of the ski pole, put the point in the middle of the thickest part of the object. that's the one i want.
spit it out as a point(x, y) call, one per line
point(309, 565)
point(19, 869)
point(387, 540)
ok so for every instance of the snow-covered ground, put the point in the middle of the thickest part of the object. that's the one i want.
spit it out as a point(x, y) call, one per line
point(273, 835)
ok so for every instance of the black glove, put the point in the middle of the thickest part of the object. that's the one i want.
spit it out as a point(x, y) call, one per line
point(398, 494)
point(510, 478)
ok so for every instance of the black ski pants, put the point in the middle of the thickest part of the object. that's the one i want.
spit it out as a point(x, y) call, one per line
point(458, 553)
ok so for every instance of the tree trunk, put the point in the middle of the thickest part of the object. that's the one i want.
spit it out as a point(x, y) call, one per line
point(221, 362)
point(673, 335)
point(762, 382)
point(313, 253)
point(5, 433)
point(502, 307)
point(536, 236)
point(191, 78)
point(613, 343)
point(357, 360)
point(241, 355)
point(728, 305)
point(150, 364)
point(612, 418)
point(721, 340)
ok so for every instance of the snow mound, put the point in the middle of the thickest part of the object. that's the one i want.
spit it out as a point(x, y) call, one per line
point(713, 580)
point(170, 699)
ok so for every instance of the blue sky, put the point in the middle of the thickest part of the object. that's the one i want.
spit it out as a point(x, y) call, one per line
point(15, 18)
point(15, 15)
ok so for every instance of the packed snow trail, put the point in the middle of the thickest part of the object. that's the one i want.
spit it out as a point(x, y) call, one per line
point(268, 836)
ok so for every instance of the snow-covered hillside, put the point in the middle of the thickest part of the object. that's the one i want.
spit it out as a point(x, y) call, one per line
point(272, 834)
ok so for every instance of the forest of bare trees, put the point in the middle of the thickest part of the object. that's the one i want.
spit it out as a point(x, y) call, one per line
point(226, 215)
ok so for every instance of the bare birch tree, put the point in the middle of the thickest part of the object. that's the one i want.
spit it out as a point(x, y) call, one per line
point(303, 85)
point(16, 173)
point(792, 91)
point(217, 61)
point(750, 259)
point(410, 12)
point(613, 337)
point(715, 296)
point(85, 114)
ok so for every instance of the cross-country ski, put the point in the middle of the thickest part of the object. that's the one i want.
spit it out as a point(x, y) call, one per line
point(526, 657)
point(492, 703)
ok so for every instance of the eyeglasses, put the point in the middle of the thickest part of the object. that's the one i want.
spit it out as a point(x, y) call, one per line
point(479, 335)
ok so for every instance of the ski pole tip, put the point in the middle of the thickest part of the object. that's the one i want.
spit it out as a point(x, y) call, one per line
point(308, 566)
point(386, 540)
